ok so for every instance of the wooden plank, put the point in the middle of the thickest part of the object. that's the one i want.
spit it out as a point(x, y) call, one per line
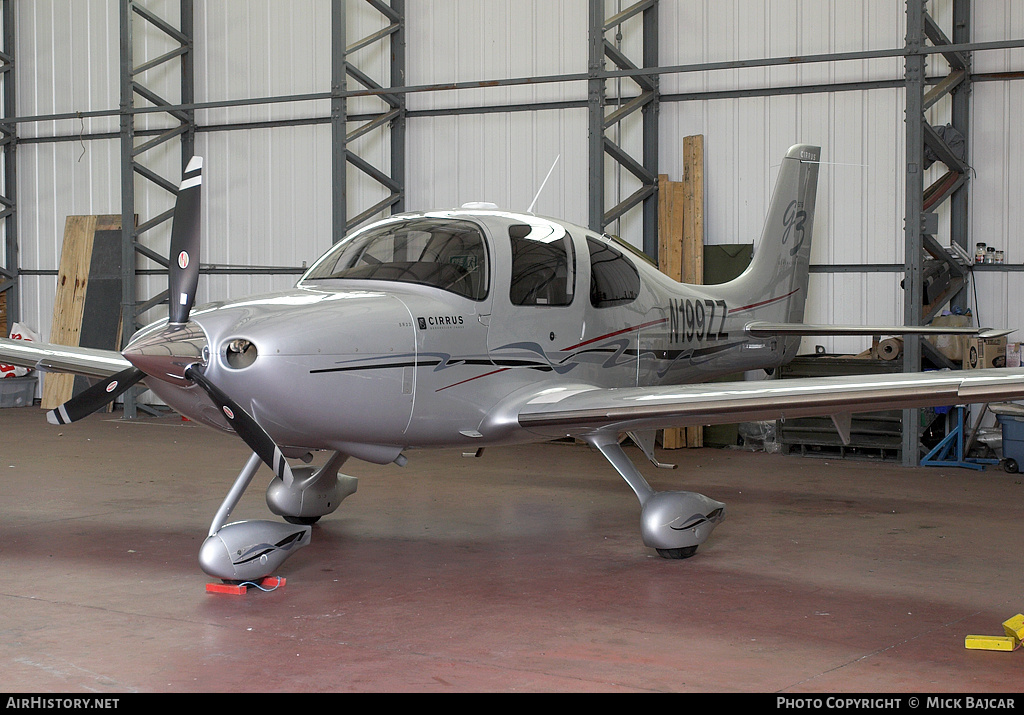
point(693, 234)
point(70, 303)
point(670, 260)
point(670, 227)
point(693, 209)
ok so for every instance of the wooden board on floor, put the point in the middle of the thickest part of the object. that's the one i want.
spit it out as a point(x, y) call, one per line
point(81, 317)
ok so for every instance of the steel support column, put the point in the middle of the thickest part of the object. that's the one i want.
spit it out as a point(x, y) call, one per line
point(9, 285)
point(961, 115)
point(926, 143)
point(339, 165)
point(131, 74)
point(644, 170)
point(391, 117)
point(913, 286)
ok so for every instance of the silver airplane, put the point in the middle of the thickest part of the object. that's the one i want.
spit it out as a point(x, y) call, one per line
point(477, 327)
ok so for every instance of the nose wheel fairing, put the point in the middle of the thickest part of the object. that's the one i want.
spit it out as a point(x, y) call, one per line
point(250, 550)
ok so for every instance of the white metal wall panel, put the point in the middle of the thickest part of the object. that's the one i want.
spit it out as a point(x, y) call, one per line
point(268, 190)
point(997, 158)
point(502, 158)
point(64, 50)
point(247, 49)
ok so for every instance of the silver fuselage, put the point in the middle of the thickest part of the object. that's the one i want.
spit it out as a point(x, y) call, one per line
point(371, 367)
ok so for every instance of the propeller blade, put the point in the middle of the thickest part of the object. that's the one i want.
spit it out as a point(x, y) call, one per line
point(99, 395)
point(247, 428)
point(183, 266)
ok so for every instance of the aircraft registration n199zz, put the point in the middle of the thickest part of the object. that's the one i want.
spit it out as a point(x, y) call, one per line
point(478, 327)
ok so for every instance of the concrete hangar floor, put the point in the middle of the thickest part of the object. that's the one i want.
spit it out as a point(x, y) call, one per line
point(522, 570)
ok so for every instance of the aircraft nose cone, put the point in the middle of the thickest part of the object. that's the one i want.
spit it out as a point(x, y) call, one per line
point(167, 350)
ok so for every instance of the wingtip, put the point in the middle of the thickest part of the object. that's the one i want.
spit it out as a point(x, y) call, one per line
point(994, 332)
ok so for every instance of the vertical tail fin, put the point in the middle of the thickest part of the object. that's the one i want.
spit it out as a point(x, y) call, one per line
point(774, 286)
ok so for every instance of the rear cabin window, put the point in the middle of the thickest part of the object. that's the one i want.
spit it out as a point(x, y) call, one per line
point(443, 253)
point(543, 265)
point(614, 279)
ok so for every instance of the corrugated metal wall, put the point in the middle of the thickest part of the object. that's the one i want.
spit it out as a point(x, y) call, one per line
point(997, 190)
point(268, 190)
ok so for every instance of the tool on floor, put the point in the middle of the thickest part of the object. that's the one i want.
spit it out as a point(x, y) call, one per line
point(1014, 633)
point(270, 583)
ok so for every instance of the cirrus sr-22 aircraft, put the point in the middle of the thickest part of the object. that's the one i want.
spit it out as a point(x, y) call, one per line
point(479, 327)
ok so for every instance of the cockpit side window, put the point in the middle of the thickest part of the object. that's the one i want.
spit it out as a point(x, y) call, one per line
point(543, 265)
point(614, 280)
point(444, 253)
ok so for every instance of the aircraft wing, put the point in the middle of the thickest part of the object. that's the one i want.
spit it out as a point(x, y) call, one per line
point(90, 362)
point(582, 410)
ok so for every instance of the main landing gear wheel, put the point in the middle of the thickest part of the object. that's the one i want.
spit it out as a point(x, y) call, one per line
point(302, 520)
point(683, 553)
point(673, 523)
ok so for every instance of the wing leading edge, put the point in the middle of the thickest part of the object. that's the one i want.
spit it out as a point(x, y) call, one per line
point(586, 410)
point(61, 358)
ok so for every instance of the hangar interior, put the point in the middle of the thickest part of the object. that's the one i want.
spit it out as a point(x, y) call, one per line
point(520, 570)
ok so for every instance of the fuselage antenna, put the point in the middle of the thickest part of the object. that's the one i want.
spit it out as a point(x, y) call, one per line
point(534, 202)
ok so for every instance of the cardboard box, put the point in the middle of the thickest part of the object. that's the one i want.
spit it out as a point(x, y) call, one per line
point(985, 352)
point(1013, 355)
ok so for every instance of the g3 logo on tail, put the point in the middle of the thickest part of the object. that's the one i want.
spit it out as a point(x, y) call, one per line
point(793, 222)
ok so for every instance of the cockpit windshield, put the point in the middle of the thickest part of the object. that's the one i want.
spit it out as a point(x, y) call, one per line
point(444, 253)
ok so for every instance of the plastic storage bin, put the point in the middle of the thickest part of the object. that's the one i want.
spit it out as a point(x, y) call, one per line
point(17, 391)
point(1011, 420)
point(1013, 442)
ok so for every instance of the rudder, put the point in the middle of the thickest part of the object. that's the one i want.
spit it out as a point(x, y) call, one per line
point(774, 286)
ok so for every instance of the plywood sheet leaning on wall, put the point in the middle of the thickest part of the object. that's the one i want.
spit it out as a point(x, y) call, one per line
point(681, 245)
point(87, 306)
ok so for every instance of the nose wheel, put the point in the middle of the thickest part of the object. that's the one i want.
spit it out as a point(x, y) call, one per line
point(248, 550)
point(681, 553)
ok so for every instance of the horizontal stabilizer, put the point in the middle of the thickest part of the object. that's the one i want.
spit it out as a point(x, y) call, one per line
point(761, 329)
